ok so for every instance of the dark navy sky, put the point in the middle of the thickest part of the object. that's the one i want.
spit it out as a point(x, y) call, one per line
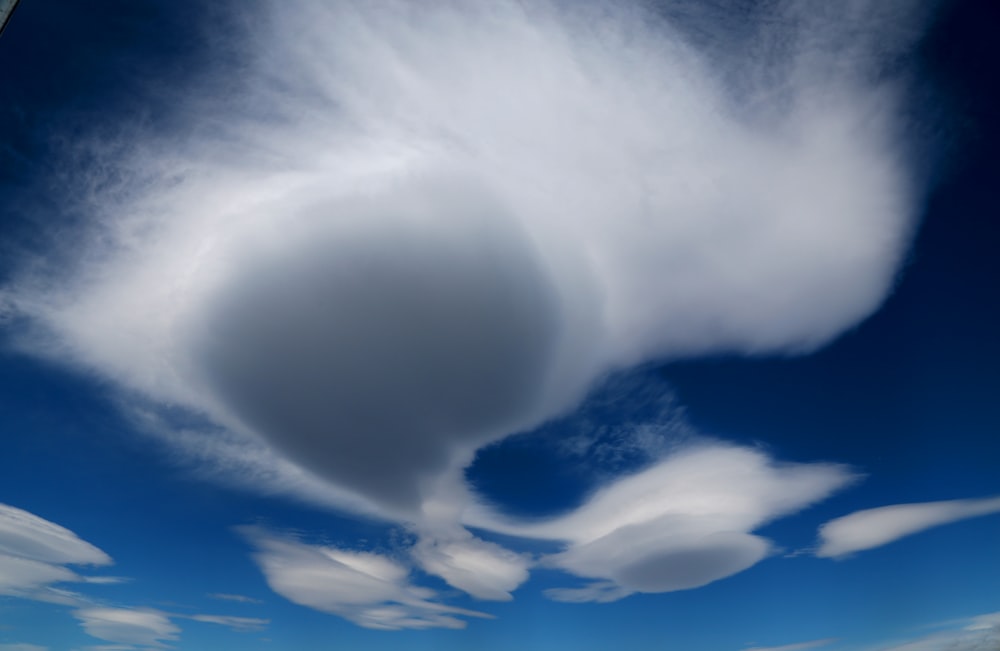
point(905, 399)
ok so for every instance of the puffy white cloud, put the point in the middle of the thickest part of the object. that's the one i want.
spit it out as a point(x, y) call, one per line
point(682, 523)
point(880, 526)
point(149, 628)
point(34, 553)
point(369, 589)
point(436, 228)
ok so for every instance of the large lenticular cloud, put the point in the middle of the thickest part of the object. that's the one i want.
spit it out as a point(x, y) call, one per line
point(407, 230)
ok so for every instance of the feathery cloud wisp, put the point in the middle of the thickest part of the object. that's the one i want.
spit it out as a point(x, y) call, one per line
point(433, 229)
point(368, 589)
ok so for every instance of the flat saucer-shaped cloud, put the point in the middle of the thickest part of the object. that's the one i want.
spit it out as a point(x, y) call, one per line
point(383, 335)
point(309, 270)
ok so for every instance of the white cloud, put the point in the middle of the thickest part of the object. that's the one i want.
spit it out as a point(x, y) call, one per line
point(880, 526)
point(980, 633)
point(34, 553)
point(398, 236)
point(682, 523)
point(799, 646)
point(149, 628)
point(239, 624)
point(445, 226)
point(29, 536)
point(23, 647)
point(483, 569)
point(366, 588)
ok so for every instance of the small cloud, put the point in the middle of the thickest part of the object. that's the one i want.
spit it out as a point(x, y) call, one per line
point(368, 589)
point(979, 633)
point(35, 553)
point(238, 624)
point(597, 592)
point(23, 647)
point(800, 646)
point(872, 528)
point(235, 597)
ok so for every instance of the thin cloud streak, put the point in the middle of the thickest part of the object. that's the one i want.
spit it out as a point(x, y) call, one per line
point(880, 526)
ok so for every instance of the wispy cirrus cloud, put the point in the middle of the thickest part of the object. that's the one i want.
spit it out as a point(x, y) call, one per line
point(873, 528)
point(798, 646)
point(398, 236)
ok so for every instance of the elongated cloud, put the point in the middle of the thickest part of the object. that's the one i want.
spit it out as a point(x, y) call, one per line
point(880, 526)
point(414, 233)
point(369, 589)
point(35, 553)
point(146, 628)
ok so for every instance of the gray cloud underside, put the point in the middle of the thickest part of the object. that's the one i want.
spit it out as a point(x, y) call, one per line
point(872, 528)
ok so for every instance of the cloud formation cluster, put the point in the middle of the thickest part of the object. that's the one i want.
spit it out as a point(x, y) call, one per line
point(35, 555)
point(401, 235)
point(369, 589)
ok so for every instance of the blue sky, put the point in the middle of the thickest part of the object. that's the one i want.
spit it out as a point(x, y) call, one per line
point(531, 325)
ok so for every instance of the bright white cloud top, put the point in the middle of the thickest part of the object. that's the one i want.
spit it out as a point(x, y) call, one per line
point(148, 628)
point(35, 555)
point(880, 526)
point(399, 235)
